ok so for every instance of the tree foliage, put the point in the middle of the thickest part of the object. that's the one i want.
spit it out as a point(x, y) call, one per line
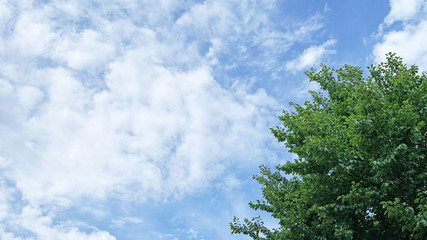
point(361, 167)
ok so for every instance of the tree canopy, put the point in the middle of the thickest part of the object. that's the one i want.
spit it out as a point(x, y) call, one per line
point(361, 166)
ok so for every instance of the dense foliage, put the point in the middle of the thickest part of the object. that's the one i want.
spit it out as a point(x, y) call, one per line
point(361, 167)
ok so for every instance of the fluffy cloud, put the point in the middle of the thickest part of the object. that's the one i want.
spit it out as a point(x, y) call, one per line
point(122, 101)
point(311, 56)
point(407, 43)
point(106, 106)
point(157, 132)
point(35, 225)
point(408, 39)
point(18, 222)
point(31, 36)
point(401, 10)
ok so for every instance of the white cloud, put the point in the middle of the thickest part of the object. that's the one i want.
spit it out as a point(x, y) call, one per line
point(402, 10)
point(122, 221)
point(84, 50)
point(311, 56)
point(118, 101)
point(306, 29)
point(408, 43)
point(6, 13)
point(409, 40)
point(209, 17)
point(31, 35)
point(247, 32)
point(29, 96)
point(154, 131)
point(32, 220)
point(19, 221)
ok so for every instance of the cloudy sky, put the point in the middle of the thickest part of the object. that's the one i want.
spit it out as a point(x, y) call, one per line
point(143, 119)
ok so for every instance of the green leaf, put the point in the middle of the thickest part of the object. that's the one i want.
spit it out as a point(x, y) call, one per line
point(361, 167)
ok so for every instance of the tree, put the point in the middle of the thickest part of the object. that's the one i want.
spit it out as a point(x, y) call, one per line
point(361, 167)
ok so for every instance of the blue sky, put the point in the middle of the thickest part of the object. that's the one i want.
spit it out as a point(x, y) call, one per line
point(147, 119)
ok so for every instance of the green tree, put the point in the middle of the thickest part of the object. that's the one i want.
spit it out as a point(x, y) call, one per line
point(361, 167)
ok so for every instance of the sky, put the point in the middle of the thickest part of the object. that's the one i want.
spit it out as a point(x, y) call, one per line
point(139, 119)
